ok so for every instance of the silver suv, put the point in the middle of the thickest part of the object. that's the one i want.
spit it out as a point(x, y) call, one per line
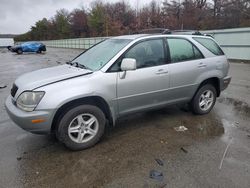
point(119, 76)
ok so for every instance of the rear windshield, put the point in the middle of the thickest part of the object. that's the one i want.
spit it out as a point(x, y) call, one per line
point(210, 45)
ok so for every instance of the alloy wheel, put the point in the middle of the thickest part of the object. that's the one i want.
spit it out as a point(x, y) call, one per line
point(206, 100)
point(83, 128)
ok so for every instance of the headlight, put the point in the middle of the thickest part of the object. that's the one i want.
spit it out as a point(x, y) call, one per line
point(28, 100)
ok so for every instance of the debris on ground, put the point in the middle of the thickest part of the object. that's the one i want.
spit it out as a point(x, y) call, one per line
point(184, 150)
point(3, 86)
point(225, 152)
point(19, 158)
point(164, 142)
point(159, 161)
point(236, 124)
point(156, 175)
point(181, 128)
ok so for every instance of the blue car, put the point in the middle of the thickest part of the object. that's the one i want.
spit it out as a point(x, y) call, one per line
point(37, 47)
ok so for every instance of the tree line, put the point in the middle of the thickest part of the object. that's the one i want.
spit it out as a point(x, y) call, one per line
point(111, 19)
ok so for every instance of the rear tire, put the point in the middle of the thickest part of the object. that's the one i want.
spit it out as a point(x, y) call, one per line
point(204, 100)
point(81, 127)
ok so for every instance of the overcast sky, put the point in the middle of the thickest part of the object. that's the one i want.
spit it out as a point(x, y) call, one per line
point(17, 16)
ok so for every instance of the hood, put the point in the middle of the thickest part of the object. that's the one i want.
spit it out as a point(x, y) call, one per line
point(39, 78)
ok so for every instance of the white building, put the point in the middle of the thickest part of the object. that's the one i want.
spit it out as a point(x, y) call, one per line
point(4, 42)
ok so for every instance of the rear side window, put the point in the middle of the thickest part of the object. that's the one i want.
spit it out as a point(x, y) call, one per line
point(210, 45)
point(182, 50)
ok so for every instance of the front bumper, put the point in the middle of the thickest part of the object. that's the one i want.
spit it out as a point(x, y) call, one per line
point(225, 82)
point(43, 48)
point(24, 119)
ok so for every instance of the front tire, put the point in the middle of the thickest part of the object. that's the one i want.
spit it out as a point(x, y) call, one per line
point(19, 51)
point(204, 100)
point(81, 127)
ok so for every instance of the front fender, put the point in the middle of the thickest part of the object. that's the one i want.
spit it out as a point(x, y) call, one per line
point(60, 93)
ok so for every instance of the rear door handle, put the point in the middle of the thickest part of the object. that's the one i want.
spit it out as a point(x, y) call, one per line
point(202, 65)
point(161, 71)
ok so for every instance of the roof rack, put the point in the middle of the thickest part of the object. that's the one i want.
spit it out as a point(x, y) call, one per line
point(189, 32)
point(174, 32)
point(186, 32)
point(154, 31)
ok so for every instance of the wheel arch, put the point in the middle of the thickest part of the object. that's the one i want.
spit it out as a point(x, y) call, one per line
point(215, 81)
point(19, 48)
point(92, 100)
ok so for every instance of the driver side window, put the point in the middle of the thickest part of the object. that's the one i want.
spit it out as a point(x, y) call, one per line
point(147, 54)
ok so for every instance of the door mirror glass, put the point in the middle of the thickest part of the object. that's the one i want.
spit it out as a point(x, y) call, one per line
point(128, 64)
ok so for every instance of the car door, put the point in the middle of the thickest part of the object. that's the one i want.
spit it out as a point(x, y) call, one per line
point(145, 87)
point(25, 47)
point(187, 64)
point(33, 47)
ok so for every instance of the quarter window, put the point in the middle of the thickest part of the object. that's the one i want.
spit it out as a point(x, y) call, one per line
point(182, 50)
point(210, 45)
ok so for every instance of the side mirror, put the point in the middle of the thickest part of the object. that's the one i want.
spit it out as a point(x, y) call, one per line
point(128, 64)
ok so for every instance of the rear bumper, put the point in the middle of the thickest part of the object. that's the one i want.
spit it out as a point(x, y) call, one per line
point(224, 82)
point(24, 119)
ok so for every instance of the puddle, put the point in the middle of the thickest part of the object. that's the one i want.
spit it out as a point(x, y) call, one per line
point(235, 116)
point(210, 127)
point(239, 106)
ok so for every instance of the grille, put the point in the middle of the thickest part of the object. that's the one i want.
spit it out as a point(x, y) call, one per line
point(13, 90)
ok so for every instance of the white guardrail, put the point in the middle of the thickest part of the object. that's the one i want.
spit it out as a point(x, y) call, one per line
point(81, 43)
point(234, 42)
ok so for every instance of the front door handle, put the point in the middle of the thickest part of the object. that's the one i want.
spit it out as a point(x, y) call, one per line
point(161, 71)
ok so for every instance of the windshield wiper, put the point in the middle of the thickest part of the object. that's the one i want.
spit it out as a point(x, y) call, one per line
point(70, 63)
point(76, 64)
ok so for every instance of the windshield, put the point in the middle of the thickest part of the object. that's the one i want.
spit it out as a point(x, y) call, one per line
point(98, 56)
